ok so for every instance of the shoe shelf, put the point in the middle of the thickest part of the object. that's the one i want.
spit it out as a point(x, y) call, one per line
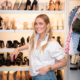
point(19, 68)
point(15, 68)
point(28, 11)
point(6, 31)
point(26, 31)
point(10, 50)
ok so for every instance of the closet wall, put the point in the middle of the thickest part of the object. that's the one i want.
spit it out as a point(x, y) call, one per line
point(72, 74)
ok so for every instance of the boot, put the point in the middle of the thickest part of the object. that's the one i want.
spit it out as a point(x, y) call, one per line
point(4, 76)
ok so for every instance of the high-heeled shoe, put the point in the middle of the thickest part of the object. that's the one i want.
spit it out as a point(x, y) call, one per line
point(4, 76)
point(25, 25)
point(58, 39)
point(22, 5)
point(57, 4)
point(28, 5)
point(34, 5)
point(19, 59)
point(23, 76)
point(28, 39)
point(18, 75)
point(6, 5)
point(8, 59)
point(26, 61)
point(22, 42)
point(12, 22)
point(11, 76)
point(51, 5)
point(16, 5)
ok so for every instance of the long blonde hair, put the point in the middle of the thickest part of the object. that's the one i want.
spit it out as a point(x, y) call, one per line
point(48, 30)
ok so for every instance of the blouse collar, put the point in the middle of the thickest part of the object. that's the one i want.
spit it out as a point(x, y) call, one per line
point(43, 42)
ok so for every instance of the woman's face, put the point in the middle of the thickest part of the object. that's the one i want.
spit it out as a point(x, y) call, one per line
point(40, 26)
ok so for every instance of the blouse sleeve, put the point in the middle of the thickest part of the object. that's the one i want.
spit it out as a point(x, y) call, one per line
point(56, 50)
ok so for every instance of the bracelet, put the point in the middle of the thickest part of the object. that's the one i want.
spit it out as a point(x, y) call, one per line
point(49, 68)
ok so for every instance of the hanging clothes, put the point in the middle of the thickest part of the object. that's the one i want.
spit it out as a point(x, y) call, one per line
point(67, 46)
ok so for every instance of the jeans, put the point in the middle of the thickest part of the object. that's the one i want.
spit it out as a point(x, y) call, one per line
point(49, 76)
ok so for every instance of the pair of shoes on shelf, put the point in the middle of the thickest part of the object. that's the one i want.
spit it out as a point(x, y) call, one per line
point(12, 45)
point(7, 76)
point(2, 44)
point(18, 5)
point(20, 75)
point(54, 5)
point(28, 26)
point(6, 5)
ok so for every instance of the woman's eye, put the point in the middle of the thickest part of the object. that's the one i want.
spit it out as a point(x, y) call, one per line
point(35, 23)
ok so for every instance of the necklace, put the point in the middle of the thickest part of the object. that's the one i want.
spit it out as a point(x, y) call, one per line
point(40, 40)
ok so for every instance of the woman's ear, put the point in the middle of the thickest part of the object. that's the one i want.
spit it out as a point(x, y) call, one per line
point(48, 25)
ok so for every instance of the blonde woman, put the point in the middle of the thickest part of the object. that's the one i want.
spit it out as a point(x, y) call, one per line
point(43, 51)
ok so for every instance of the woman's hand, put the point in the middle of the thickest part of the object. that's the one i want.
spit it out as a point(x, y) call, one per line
point(43, 70)
point(15, 52)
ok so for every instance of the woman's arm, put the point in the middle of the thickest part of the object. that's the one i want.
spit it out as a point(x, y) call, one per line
point(61, 63)
point(26, 46)
point(15, 52)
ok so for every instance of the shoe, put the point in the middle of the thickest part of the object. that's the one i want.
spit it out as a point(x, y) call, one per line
point(2, 59)
point(58, 39)
point(25, 25)
point(26, 61)
point(11, 76)
point(57, 4)
point(12, 22)
point(15, 44)
point(28, 5)
point(6, 23)
point(22, 5)
point(28, 39)
point(4, 76)
point(18, 75)
point(34, 5)
point(23, 76)
point(8, 59)
point(6, 5)
point(9, 44)
point(16, 5)
point(19, 59)
point(2, 44)
point(1, 19)
point(51, 5)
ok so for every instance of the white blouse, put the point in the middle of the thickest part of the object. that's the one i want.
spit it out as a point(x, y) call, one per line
point(38, 58)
